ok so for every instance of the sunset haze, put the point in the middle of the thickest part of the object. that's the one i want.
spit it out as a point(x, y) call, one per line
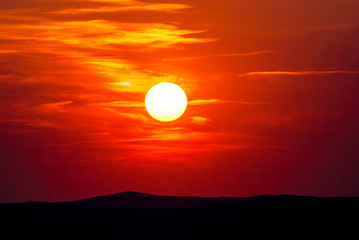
point(272, 89)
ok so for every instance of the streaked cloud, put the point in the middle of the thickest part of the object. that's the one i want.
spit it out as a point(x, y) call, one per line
point(219, 55)
point(88, 7)
point(135, 104)
point(221, 101)
point(135, 116)
point(316, 72)
point(27, 125)
point(310, 29)
point(4, 51)
point(124, 76)
point(122, 6)
point(203, 101)
point(199, 120)
point(55, 107)
point(102, 34)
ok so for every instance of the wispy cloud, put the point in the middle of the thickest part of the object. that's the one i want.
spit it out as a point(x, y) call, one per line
point(102, 34)
point(219, 55)
point(310, 29)
point(221, 101)
point(55, 107)
point(203, 101)
point(131, 104)
point(315, 72)
point(199, 120)
point(27, 125)
point(135, 116)
point(122, 6)
point(124, 76)
point(5, 51)
point(87, 7)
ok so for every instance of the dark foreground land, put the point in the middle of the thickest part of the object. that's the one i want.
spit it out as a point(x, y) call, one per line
point(139, 214)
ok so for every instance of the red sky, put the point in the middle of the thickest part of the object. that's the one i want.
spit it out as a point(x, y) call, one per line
point(272, 88)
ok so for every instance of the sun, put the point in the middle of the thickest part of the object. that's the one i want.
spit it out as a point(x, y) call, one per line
point(166, 102)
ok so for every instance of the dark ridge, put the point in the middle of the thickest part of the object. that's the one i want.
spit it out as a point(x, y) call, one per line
point(136, 200)
point(121, 201)
point(137, 213)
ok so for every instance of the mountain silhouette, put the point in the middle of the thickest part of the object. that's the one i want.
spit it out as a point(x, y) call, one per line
point(140, 213)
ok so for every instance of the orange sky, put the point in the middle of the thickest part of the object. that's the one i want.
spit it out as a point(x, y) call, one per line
point(272, 89)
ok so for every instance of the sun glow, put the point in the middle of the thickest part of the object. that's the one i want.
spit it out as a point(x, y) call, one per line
point(166, 102)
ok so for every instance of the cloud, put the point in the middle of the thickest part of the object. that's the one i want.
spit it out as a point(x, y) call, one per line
point(85, 6)
point(56, 105)
point(219, 55)
point(317, 72)
point(124, 76)
point(102, 34)
point(179, 144)
point(220, 101)
point(199, 120)
point(125, 6)
point(203, 101)
point(131, 104)
point(135, 116)
point(310, 29)
point(5, 51)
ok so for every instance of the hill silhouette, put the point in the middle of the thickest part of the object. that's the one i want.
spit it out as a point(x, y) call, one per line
point(140, 213)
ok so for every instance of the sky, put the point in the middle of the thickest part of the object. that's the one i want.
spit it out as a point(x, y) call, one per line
point(272, 88)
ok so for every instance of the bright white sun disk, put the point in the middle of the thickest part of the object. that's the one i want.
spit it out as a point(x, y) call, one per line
point(166, 102)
